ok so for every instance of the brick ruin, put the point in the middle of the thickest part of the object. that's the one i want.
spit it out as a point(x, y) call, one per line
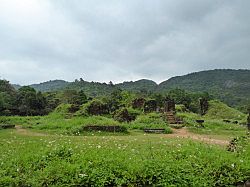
point(169, 105)
point(203, 106)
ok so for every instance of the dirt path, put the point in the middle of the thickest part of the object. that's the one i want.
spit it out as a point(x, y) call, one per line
point(184, 133)
point(177, 133)
point(27, 132)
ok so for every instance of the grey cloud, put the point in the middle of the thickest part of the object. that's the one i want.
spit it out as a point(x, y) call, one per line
point(121, 40)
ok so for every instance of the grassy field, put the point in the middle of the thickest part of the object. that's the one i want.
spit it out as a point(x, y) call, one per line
point(135, 159)
point(54, 151)
point(59, 123)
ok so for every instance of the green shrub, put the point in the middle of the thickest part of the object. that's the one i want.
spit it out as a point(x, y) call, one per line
point(96, 107)
point(180, 108)
point(126, 114)
point(63, 110)
point(122, 115)
point(150, 106)
point(151, 120)
point(82, 110)
point(239, 144)
point(189, 118)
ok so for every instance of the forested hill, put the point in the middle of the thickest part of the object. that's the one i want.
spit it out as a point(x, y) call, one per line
point(140, 85)
point(231, 86)
point(95, 88)
point(50, 85)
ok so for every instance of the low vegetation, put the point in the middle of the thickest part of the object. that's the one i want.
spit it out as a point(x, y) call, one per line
point(68, 138)
point(117, 161)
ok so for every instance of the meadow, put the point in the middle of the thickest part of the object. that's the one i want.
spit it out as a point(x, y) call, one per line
point(55, 150)
point(120, 160)
point(54, 156)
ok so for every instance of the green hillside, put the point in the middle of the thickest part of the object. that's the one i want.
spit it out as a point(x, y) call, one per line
point(219, 110)
point(230, 86)
point(138, 86)
point(91, 88)
point(52, 85)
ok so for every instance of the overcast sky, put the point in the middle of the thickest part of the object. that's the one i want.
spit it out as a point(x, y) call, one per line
point(120, 40)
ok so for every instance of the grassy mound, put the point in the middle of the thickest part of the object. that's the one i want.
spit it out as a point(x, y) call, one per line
point(219, 110)
point(63, 110)
point(151, 120)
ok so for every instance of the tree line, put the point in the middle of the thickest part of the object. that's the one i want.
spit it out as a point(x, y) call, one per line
point(26, 101)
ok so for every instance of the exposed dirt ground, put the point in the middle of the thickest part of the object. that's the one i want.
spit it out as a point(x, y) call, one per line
point(184, 133)
point(27, 132)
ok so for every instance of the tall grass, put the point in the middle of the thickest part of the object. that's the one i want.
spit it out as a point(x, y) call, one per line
point(144, 160)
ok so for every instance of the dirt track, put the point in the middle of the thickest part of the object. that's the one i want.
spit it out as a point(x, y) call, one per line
point(184, 133)
point(177, 133)
point(27, 132)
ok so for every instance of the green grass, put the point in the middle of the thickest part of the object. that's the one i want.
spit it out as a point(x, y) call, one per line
point(116, 161)
point(57, 123)
point(221, 129)
point(219, 110)
point(151, 120)
point(215, 127)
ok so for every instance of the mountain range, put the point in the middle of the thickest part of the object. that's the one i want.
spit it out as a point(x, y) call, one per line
point(230, 86)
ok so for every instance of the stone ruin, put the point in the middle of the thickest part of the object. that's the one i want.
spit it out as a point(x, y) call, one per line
point(248, 120)
point(203, 106)
point(123, 115)
point(150, 106)
point(97, 108)
point(169, 105)
point(138, 103)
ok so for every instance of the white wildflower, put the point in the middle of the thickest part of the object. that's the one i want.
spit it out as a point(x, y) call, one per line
point(82, 175)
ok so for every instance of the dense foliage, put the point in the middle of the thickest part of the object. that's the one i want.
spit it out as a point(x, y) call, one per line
point(61, 148)
point(230, 86)
point(27, 101)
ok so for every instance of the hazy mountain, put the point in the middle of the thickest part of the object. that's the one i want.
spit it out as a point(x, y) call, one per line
point(16, 86)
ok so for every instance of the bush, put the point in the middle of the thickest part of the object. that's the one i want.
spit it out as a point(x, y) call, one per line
point(239, 143)
point(180, 108)
point(150, 106)
point(96, 107)
point(125, 115)
point(82, 110)
point(73, 108)
point(63, 110)
point(151, 120)
point(138, 103)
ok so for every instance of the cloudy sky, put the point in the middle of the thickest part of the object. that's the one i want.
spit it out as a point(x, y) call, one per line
point(120, 40)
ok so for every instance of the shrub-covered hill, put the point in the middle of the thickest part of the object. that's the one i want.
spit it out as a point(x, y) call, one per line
point(138, 86)
point(52, 85)
point(96, 88)
point(219, 110)
point(230, 86)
